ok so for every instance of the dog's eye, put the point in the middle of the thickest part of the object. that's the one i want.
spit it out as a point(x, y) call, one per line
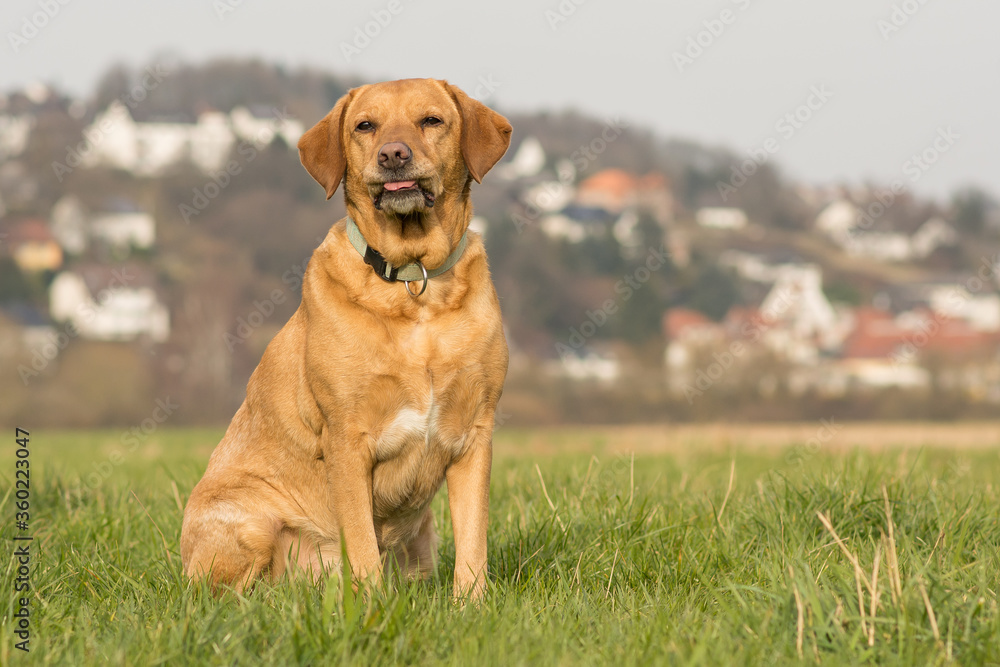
point(364, 126)
point(431, 121)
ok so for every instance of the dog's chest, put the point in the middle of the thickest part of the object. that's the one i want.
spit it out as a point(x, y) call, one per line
point(408, 428)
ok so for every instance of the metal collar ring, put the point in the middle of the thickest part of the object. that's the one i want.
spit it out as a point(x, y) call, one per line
point(423, 288)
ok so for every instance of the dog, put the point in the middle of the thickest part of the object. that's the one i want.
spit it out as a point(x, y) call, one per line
point(384, 383)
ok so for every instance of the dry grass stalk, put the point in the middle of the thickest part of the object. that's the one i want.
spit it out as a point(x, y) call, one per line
point(858, 572)
point(930, 610)
point(729, 490)
point(874, 600)
point(549, 500)
point(892, 558)
point(800, 625)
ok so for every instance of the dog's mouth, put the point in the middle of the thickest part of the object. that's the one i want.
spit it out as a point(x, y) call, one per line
point(398, 192)
point(396, 186)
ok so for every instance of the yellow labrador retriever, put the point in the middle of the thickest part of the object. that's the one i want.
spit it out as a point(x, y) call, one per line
point(384, 382)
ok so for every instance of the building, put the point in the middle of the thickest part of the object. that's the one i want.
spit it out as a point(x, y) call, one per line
point(616, 190)
point(33, 247)
point(613, 190)
point(15, 130)
point(527, 161)
point(123, 225)
point(837, 219)
point(68, 221)
point(721, 217)
point(109, 304)
point(148, 149)
point(933, 234)
point(119, 224)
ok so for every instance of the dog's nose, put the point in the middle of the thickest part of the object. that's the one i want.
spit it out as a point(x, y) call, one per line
point(394, 155)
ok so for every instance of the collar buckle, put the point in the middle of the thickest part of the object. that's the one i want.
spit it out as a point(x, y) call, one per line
point(383, 269)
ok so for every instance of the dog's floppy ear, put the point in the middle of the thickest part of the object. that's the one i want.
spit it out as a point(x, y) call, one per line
point(321, 149)
point(485, 134)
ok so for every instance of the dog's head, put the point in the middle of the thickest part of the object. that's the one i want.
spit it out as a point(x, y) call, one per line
point(407, 152)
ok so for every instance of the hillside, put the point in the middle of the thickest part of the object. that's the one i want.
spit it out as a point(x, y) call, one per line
point(574, 218)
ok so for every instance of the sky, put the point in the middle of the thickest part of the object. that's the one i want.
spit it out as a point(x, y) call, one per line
point(850, 91)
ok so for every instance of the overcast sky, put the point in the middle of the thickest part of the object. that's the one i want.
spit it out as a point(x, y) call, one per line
point(888, 88)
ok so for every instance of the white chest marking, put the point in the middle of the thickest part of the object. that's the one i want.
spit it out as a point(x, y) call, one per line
point(409, 426)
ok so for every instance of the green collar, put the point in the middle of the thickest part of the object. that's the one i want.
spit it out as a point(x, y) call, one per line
point(414, 272)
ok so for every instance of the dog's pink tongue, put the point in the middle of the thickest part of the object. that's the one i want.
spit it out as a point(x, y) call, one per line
point(399, 185)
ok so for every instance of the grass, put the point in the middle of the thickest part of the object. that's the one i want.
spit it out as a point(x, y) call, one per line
point(722, 555)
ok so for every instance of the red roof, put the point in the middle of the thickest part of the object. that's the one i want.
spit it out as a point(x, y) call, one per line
point(30, 231)
point(654, 180)
point(877, 334)
point(677, 321)
point(618, 182)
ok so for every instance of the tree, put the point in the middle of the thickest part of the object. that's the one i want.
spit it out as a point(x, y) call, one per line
point(970, 207)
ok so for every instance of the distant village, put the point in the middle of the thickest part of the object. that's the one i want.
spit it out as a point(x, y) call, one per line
point(822, 346)
point(100, 288)
point(117, 298)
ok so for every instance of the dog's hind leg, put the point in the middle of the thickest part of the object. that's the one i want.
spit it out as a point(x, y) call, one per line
point(227, 545)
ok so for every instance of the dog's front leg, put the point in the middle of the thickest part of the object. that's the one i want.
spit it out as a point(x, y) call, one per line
point(469, 500)
point(349, 466)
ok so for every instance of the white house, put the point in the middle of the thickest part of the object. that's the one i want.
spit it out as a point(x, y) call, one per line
point(841, 376)
point(558, 226)
point(981, 311)
point(750, 266)
point(721, 217)
point(148, 149)
point(14, 134)
point(68, 222)
point(123, 225)
point(528, 160)
point(932, 235)
point(800, 312)
point(838, 218)
point(549, 196)
point(626, 229)
point(590, 365)
point(109, 305)
point(259, 125)
point(881, 246)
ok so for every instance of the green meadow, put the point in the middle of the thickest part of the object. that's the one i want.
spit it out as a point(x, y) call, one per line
point(710, 551)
